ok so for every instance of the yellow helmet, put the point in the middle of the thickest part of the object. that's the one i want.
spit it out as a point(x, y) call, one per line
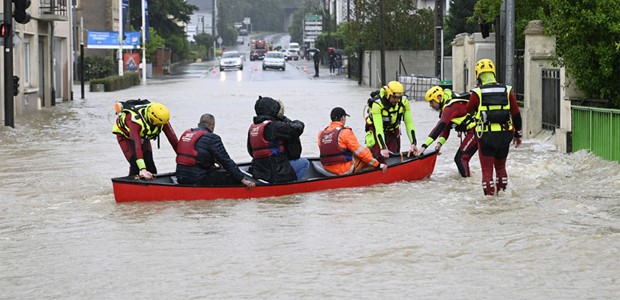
point(394, 88)
point(157, 113)
point(484, 65)
point(433, 93)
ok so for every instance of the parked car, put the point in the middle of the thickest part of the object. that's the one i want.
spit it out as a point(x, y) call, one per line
point(285, 52)
point(293, 46)
point(293, 54)
point(231, 60)
point(274, 60)
point(257, 54)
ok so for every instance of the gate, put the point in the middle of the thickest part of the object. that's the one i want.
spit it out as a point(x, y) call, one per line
point(550, 99)
point(519, 76)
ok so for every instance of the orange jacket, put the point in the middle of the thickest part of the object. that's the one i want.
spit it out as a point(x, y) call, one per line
point(348, 140)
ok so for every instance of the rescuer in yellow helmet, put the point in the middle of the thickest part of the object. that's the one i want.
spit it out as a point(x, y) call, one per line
point(452, 114)
point(386, 111)
point(138, 122)
point(498, 123)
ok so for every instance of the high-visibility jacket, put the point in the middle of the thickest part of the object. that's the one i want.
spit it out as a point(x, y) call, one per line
point(494, 108)
point(148, 131)
point(387, 119)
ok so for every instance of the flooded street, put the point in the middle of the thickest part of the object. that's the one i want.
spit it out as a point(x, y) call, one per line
point(555, 234)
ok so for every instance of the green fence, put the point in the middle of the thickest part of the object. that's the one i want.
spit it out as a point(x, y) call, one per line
point(597, 130)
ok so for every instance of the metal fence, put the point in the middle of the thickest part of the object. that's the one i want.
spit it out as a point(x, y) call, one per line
point(519, 78)
point(550, 99)
point(416, 86)
point(596, 130)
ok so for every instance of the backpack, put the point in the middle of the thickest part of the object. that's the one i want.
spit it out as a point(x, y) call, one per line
point(133, 104)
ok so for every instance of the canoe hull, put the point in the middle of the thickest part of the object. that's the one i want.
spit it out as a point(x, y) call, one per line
point(127, 189)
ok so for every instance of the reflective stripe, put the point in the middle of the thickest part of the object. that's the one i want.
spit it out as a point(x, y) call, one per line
point(493, 90)
point(140, 163)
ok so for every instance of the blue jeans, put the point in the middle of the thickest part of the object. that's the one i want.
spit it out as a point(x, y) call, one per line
point(300, 166)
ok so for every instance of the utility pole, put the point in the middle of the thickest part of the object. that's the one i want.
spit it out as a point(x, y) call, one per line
point(144, 29)
point(382, 40)
point(119, 57)
point(9, 105)
point(348, 24)
point(438, 38)
point(213, 27)
point(510, 41)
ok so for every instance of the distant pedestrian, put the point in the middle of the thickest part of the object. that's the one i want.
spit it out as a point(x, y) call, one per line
point(317, 60)
point(332, 61)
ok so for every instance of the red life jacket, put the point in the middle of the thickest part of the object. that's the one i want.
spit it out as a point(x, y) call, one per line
point(261, 147)
point(186, 149)
point(331, 152)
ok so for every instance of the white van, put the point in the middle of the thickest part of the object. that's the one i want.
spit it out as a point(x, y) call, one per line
point(293, 46)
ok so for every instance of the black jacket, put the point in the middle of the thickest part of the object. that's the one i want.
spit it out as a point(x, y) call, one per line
point(276, 168)
point(210, 151)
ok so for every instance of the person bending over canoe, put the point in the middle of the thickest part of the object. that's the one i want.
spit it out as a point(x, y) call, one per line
point(274, 144)
point(138, 122)
point(387, 108)
point(452, 114)
point(199, 153)
point(341, 153)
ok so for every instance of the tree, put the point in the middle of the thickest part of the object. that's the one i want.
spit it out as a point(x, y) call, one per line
point(456, 21)
point(166, 16)
point(309, 7)
point(588, 42)
point(406, 27)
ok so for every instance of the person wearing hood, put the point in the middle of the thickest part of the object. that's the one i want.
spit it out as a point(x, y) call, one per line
point(274, 144)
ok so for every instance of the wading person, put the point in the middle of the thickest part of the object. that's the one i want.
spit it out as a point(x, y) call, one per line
point(388, 109)
point(452, 115)
point(498, 124)
point(138, 122)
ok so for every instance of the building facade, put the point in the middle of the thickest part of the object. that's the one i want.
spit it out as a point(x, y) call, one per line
point(42, 58)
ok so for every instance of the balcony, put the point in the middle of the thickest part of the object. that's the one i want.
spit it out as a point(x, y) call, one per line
point(53, 10)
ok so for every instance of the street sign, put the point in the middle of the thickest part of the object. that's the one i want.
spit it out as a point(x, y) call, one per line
point(109, 40)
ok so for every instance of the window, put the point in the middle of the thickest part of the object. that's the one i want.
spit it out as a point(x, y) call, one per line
point(26, 77)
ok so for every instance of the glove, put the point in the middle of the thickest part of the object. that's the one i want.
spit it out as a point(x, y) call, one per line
point(420, 150)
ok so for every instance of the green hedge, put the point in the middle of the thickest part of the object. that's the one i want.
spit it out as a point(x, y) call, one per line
point(114, 83)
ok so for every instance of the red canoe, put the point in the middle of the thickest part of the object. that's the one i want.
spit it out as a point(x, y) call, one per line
point(165, 188)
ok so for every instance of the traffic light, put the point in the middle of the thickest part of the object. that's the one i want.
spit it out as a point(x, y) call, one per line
point(485, 28)
point(4, 29)
point(15, 85)
point(19, 13)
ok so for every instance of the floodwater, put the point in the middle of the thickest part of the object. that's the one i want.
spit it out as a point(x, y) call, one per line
point(555, 234)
